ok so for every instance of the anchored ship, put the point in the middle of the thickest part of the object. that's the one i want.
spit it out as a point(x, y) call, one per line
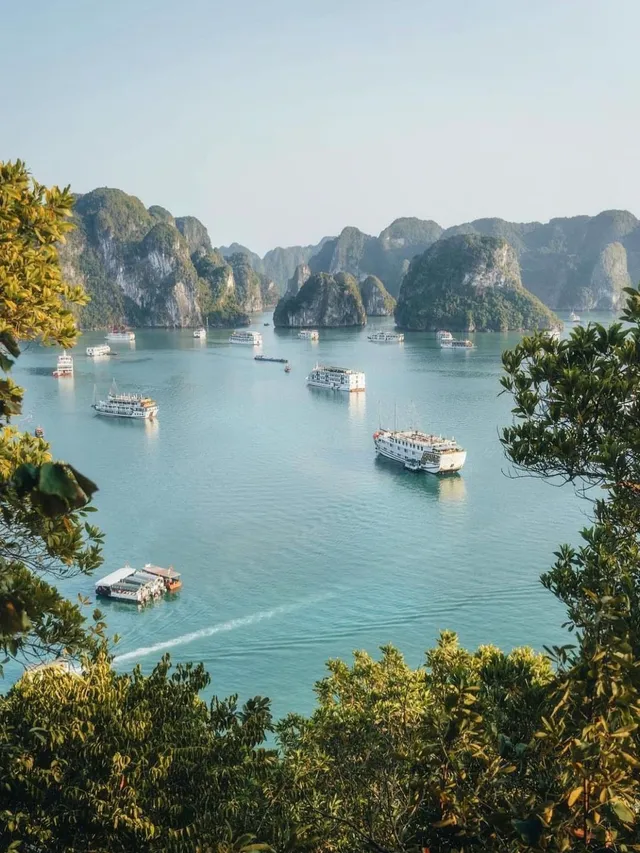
point(97, 351)
point(336, 378)
point(64, 366)
point(309, 334)
point(199, 333)
point(134, 406)
point(447, 341)
point(252, 339)
point(386, 337)
point(120, 334)
point(418, 451)
point(138, 586)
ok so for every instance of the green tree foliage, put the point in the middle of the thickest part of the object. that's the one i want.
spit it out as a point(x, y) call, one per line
point(43, 532)
point(105, 762)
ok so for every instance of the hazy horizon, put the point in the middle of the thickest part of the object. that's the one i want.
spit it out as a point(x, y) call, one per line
point(279, 125)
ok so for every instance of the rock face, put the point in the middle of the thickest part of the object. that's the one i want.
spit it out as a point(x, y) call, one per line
point(609, 278)
point(143, 267)
point(469, 283)
point(322, 301)
point(278, 264)
point(375, 298)
point(560, 260)
point(300, 277)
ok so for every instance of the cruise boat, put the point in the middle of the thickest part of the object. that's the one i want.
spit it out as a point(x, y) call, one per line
point(309, 334)
point(443, 335)
point(252, 339)
point(386, 337)
point(418, 451)
point(100, 350)
point(131, 585)
point(199, 333)
point(117, 334)
point(454, 344)
point(64, 366)
point(336, 378)
point(134, 406)
point(575, 318)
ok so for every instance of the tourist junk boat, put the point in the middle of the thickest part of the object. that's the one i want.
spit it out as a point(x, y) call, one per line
point(418, 451)
point(97, 351)
point(386, 338)
point(309, 334)
point(138, 586)
point(64, 367)
point(447, 341)
point(336, 378)
point(252, 339)
point(120, 334)
point(199, 333)
point(134, 406)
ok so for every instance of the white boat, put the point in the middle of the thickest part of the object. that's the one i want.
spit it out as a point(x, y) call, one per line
point(120, 335)
point(134, 406)
point(129, 584)
point(418, 451)
point(309, 334)
point(336, 378)
point(454, 344)
point(96, 352)
point(252, 339)
point(199, 333)
point(443, 336)
point(575, 318)
point(64, 366)
point(386, 337)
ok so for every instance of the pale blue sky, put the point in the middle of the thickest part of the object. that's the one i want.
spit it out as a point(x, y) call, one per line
point(278, 122)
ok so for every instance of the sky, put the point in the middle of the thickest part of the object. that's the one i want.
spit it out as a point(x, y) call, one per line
point(279, 122)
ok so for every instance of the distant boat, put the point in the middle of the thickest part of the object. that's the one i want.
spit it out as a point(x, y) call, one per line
point(120, 334)
point(267, 324)
point(309, 334)
point(575, 318)
point(118, 405)
point(97, 351)
point(386, 337)
point(64, 366)
point(253, 339)
point(39, 432)
point(287, 368)
point(199, 333)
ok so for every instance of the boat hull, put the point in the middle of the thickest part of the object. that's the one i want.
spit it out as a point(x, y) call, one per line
point(134, 416)
point(333, 386)
point(435, 463)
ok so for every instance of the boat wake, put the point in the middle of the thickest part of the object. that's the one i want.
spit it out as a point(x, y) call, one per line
point(219, 628)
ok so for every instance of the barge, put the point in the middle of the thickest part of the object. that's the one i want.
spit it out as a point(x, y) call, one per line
point(138, 586)
point(266, 358)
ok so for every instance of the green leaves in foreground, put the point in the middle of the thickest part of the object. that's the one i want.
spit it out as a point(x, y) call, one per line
point(56, 487)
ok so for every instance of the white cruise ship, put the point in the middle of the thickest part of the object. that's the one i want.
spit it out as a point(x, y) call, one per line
point(575, 318)
point(64, 366)
point(120, 335)
point(134, 406)
point(252, 339)
point(97, 351)
point(454, 344)
point(420, 452)
point(199, 333)
point(336, 378)
point(386, 337)
point(309, 334)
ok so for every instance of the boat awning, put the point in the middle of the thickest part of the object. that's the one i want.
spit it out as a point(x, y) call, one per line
point(158, 571)
point(115, 577)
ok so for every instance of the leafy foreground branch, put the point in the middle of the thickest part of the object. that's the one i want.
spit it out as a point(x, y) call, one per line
point(481, 751)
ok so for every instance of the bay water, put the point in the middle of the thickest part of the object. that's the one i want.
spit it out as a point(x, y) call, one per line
point(294, 542)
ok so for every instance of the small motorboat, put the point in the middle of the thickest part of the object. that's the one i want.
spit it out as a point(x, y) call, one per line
point(287, 368)
point(267, 324)
point(39, 432)
point(575, 318)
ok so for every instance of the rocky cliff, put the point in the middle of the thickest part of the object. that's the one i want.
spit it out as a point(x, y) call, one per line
point(279, 264)
point(145, 267)
point(575, 262)
point(469, 283)
point(375, 298)
point(323, 300)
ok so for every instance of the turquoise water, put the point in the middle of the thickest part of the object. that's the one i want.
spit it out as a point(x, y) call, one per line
point(295, 543)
